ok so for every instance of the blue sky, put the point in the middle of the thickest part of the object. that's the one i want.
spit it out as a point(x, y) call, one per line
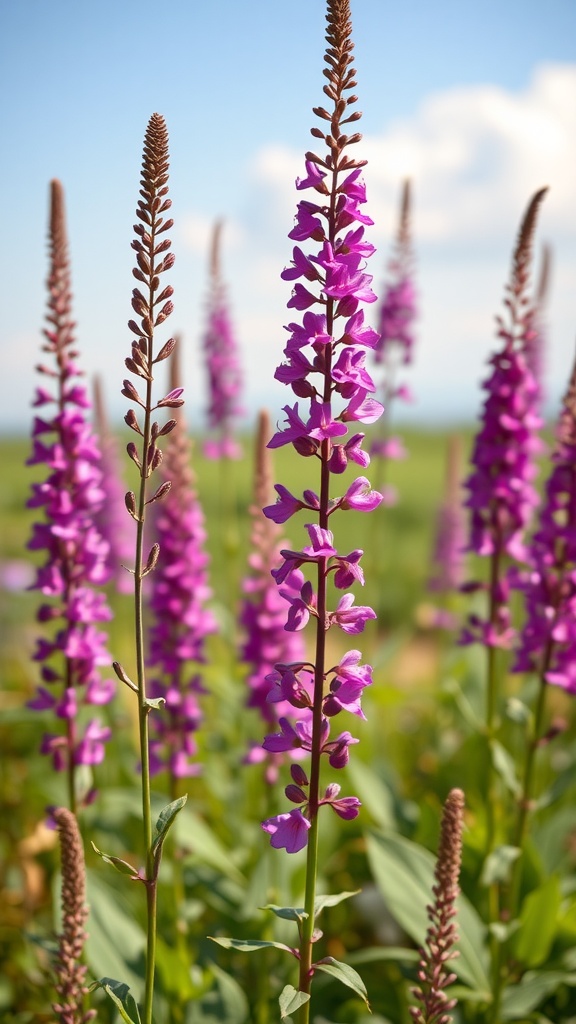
point(476, 102)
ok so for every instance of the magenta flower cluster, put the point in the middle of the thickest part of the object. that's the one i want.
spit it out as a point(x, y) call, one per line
point(547, 643)
point(501, 492)
point(222, 360)
point(325, 365)
point(75, 552)
point(181, 620)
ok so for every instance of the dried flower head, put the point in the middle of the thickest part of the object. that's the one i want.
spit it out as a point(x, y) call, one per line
point(442, 935)
point(69, 969)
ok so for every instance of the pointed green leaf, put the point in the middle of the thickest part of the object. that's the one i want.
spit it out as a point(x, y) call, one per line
point(154, 703)
point(249, 945)
point(332, 901)
point(498, 864)
point(346, 974)
point(404, 873)
point(121, 995)
point(291, 1000)
point(538, 924)
point(287, 913)
point(504, 765)
point(164, 823)
point(121, 865)
point(518, 1001)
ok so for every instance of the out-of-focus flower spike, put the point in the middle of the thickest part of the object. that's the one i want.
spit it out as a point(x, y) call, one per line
point(110, 519)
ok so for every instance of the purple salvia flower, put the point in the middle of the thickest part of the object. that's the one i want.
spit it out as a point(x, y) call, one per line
point(397, 315)
point(501, 495)
point(222, 365)
point(69, 970)
point(434, 975)
point(325, 368)
point(76, 553)
point(178, 598)
point(263, 612)
point(111, 517)
point(548, 640)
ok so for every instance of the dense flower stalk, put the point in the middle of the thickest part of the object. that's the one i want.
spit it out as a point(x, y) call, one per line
point(76, 553)
point(547, 642)
point(397, 316)
point(501, 495)
point(325, 367)
point(153, 306)
point(181, 620)
point(222, 364)
point(263, 612)
point(69, 969)
point(111, 517)
point(442, 935)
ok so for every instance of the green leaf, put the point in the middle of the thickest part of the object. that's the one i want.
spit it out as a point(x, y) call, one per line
point(375, 795)
point(121, 995)
point(290, 1000)
point(504, 765)
point(346, 974)
point(224, 1003)
point(121, 865)
point(332, 901)
point(498, 864)
point(520, 1000)
point(404, 873)
point(374, 954)
point(194, 834)
point(164, 823)
point(538, 923)
point(115, 940)
point(249, 945)
point(154, 703)
point(287, 913)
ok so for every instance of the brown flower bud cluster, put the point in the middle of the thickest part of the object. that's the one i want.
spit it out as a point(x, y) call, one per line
point(69, 969)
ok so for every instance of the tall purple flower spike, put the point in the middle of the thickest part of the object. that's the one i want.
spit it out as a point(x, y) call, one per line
point(76, 554)
point(396, 320)
point(548, 640)
point(181, 620)
point(325, 368)
point(222, 365)
point(501, 495)
point(264, 610)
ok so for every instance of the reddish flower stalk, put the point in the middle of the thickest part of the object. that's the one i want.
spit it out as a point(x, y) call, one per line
point(181, 621)
point(222, 364)
point(263, 613)
point(153, 306)
point(398, 312)
point(76, 553)
point(69, 969)
point(442, 935)
point(325, 366)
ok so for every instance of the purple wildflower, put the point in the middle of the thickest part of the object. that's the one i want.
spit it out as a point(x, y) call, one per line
point(325, 368)
point(222, 365)
point(263, 611)
point(398, 312)
point(76, 553)
point(548, 641)
point(501, 495)
point(180, 619)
